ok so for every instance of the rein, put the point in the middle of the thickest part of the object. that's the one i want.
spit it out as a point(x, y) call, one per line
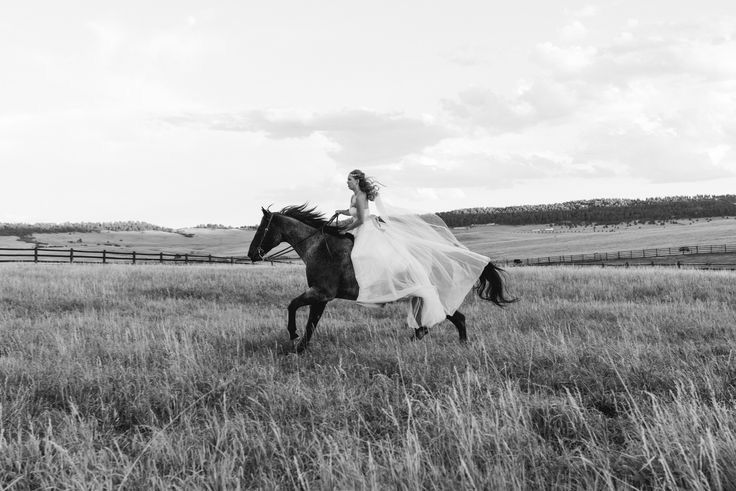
point(279, 256)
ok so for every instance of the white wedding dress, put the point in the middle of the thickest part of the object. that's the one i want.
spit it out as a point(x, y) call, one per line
point(402, 255)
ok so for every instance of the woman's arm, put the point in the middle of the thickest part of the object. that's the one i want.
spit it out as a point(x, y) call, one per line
point(346, 212)
point(361, 203)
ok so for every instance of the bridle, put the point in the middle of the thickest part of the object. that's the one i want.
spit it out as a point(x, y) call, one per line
point(279, 256)
point(259, 249)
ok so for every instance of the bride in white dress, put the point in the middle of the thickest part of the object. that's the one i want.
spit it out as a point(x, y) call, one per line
point(399, 255)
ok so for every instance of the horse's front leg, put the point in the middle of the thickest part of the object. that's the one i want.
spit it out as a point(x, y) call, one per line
point(309, 297)
point(315, 313)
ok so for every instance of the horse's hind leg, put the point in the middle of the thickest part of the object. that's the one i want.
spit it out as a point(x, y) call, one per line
point(419, 333)
point(416, 315)
point(458, 319)
point(315, 313)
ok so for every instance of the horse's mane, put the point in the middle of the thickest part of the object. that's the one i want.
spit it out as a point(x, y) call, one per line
point(309, 216)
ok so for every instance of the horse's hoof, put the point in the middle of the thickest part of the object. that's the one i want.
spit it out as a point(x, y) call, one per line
point(419, 333)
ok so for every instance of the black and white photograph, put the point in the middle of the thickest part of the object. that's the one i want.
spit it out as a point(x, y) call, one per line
point(412, 245)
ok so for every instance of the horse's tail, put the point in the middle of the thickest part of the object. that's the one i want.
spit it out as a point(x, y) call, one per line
point(490, 286)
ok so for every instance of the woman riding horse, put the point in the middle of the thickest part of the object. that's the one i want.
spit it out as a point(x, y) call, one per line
point(399, 255)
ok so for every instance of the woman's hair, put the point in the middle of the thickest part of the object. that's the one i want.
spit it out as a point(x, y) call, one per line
point(366, 184)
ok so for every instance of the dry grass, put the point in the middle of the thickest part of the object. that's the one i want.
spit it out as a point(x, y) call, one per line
point(181, 377)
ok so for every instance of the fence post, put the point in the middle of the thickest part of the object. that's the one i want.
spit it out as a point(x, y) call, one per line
point(161, 257)
point(133, 257)
point(210, 258)
point(35, 254)
point(186, 258)
point(104, 256)
point(71, 255)
point(232, 260)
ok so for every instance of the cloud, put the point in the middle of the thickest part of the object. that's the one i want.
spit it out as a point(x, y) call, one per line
point(564, 60)
point(587, 11)
point(444, 169)
point(652, 102)
point(655, 155)
point(573, 31)
point(534, 103)
point(355, 137)
point(486, 109)
point(645, 50)
point(655, 102)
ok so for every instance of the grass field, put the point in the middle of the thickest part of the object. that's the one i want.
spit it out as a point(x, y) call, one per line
point(161, 377)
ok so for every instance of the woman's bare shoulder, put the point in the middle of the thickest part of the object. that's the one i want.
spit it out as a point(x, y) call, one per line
point(360, 196)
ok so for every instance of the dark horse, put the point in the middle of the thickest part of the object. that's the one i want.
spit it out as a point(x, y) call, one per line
point(330, 275)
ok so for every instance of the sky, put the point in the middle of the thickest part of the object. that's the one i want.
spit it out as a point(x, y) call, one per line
point(186, 112)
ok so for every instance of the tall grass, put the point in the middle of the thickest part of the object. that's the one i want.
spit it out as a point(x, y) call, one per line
point(182, 377)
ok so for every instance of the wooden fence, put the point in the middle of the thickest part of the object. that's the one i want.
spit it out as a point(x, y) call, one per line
point(58, 255)
point(618, 258)
point(621, 256)
point(680, 265)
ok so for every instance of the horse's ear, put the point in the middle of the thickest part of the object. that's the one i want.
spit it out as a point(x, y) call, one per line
point(265, 212)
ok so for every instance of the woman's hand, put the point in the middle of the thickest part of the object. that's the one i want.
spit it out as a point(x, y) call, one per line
point(346, 225)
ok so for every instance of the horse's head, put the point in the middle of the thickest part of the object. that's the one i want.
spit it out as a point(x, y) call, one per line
point(267, 237)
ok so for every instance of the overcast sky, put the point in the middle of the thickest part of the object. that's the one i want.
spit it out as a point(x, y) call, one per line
point(187, 112)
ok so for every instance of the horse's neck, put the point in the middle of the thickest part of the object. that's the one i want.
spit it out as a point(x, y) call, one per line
point(299, 235)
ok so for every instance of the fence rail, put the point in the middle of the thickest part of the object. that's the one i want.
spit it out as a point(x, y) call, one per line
point(678, 264)
point(598, 258)
point(57, 255)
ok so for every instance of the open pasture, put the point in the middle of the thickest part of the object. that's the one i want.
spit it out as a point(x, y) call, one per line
point(506, 242)
point(220, 242)
point(499, 242)
point(160, 377)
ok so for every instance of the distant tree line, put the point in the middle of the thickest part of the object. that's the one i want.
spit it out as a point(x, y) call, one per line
point(214, 226)
point(598, 211)
point(25, 229)
point(28, 229)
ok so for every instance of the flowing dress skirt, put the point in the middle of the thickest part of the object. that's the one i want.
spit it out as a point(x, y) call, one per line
point(407, 256)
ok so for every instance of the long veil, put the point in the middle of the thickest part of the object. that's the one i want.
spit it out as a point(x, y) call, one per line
point(426, 226)
point(420, 258)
